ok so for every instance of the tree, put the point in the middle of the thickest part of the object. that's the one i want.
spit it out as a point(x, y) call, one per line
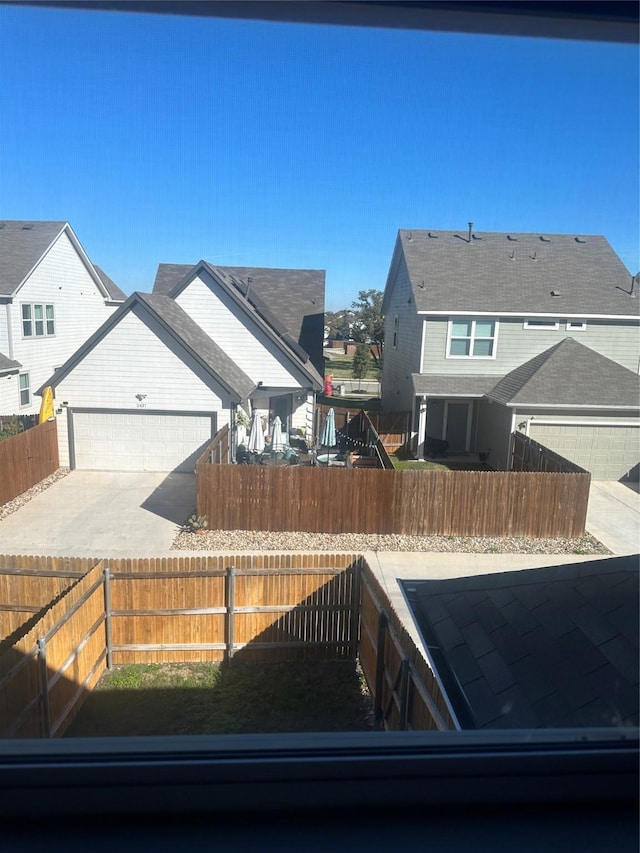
point(368, 325)
point(361, 362)
point(338, 324)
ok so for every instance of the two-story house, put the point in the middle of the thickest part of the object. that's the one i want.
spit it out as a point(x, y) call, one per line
point(164, 373)
point(488, 333)
point(51, 299)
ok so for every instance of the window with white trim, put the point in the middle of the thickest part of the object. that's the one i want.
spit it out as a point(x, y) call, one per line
point(38, 320)
point(25, 389)
point(549, 325)
point(576, 326)
point(470, 338)
point(395, 331)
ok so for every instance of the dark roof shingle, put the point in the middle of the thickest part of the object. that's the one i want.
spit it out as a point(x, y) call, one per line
point(595, 380)
point(22, 244)
point(516, 273)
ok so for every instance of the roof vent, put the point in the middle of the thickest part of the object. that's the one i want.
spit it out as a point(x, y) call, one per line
point(545, 239)
point(512, 255)
point(470, 230)
point(432, 235)
point(476, 237)
point(580, 240)
point(409, 236)
point(533, 257)
point(511, 237)
point(27, 227)
point(556, 293)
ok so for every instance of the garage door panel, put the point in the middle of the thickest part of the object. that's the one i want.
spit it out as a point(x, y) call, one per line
point(139, 441)
point(608, 452)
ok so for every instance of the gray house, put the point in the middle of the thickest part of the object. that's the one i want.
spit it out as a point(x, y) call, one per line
point(489, 333)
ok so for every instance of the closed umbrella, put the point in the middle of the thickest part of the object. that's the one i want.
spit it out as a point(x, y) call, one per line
point(328, 437)
point(46, 407)
point(277, 444)
point(256, 436)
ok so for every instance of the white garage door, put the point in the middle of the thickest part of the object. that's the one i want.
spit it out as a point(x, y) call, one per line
point(139, 441)
point(607, 452)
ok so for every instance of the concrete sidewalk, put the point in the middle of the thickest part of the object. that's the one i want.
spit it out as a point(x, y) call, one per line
point(613, 516)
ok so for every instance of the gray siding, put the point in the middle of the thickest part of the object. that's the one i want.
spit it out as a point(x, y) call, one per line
point(404, 359)
point(493, 435)
point(617, 340)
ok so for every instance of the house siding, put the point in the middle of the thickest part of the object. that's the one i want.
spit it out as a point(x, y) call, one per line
point(404, 359)
point(62, 280)
point(617, 340)
point(494, 434)
point(4, 328)
point(139, 357)
point(242, 340)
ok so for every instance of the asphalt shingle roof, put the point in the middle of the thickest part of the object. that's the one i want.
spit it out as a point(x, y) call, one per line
point(595, 380)
point(113, 290)
point(7, 365)
point(444, 385)
point(500, 272)
point(188, 332)
point(22, 244)
point(290, 298)
point(539, 648)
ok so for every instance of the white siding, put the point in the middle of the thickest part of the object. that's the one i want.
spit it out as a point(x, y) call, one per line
point(4, 329)
point(138, 357)
point(619, 341)
point(9, 396)
point(61, 279)
point(241, 339)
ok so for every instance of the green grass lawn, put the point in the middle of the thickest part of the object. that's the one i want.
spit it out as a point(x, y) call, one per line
point(402, 463)
point(341, 367)
point(230, 698)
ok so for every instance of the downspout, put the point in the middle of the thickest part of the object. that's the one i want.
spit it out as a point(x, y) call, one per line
point(508, 461)
point(9, 331)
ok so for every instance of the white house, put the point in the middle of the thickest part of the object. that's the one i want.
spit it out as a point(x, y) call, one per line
point(167, 370)
point(51, 299)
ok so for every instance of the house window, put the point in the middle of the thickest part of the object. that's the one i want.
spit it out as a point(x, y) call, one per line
point(576, 326)
point(38, 320)
point(395, 332)
point(25, 390)
point(550, 325)
point(472, 338)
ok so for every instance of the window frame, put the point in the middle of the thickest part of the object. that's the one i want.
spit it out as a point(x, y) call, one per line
point(576, 326)
point(472, 338)
point(46, 323)
point(396, 330)
point(542, 325)
point(22, 390)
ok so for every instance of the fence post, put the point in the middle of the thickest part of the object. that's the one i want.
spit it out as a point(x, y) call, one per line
point(404, 693)
point(231, 598)
point(355, 608)
point(382, 627)
point(44, 686)
point(107, 611)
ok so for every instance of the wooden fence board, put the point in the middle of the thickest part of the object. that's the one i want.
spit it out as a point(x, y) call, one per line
point(27, 458)
point(459, 503)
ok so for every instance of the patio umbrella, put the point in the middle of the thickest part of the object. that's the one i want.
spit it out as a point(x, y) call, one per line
point(328, 437)
point(277, 444)
point(256, 436)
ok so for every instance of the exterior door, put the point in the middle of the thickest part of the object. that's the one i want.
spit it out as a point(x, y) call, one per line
point(457, 426)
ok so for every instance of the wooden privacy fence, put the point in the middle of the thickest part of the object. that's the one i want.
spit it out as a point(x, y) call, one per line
point(27, 458)
point(47, 672)
point(393, 428)
point(25, 592)
point(405, 692)
point(528, 455)
point(422, 503)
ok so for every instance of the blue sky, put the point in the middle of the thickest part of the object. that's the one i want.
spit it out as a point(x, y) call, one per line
point(164, 139)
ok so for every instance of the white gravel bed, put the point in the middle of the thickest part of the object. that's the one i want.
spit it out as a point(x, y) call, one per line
point(25, 497)
point(249, 540)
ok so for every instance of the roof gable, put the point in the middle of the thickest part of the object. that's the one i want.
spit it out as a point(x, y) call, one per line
point(569, 374)
point(185, 332)
point(515, 273)
point(24, 244)
point(289, 301)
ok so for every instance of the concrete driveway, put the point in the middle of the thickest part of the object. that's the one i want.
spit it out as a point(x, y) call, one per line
point(95, 513)
point(613, 515)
